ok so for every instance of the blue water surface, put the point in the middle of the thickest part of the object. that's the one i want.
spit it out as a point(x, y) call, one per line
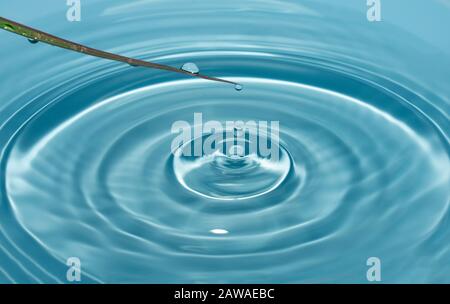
point(87, 169)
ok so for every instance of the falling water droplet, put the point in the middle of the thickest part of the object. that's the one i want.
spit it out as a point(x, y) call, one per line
point(190, 67)
point(33, 41)
point(238, 87)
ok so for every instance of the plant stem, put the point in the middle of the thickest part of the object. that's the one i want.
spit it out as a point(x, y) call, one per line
point(36, 35)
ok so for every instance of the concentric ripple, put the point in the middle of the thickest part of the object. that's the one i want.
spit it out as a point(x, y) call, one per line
point(363, 166)
point(234, 173)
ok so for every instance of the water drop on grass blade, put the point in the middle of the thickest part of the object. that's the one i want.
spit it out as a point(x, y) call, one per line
point(190, 67)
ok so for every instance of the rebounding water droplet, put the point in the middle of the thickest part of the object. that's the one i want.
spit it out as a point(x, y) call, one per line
point(238, 87)
point(238, 131)
point(191, 68)
point(236, 151)
point(33, 41)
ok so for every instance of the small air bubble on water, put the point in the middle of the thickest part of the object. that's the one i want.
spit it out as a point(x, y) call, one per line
point(190, 67)
point(238, 87)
